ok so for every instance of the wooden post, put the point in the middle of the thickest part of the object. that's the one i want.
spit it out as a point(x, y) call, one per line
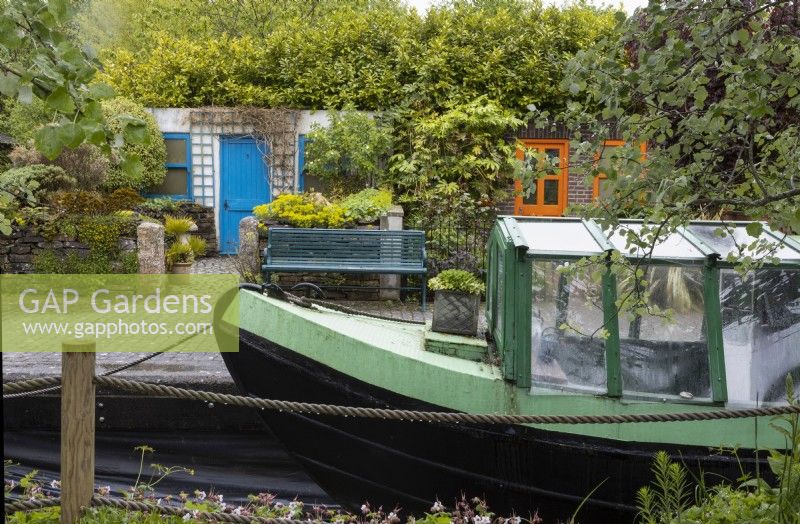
point(77, 428)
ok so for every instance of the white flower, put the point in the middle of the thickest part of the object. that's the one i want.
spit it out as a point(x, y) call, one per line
point(364, 508)
point(437, 507)
point(187, 516)
point(158, 502)
point(222, 506)
point(481, 519)
point(55, 484)
point(201, 495)
point(238, 510)
point(103, 490)
point(220, 497)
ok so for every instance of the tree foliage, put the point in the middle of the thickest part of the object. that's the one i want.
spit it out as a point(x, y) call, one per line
point(713, 88)
point(373, 55)
point(350, 152)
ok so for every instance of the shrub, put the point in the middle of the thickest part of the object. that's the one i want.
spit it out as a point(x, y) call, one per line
point(350, 152)
point(123, 198)
point(179, 253)
point(175, 226)
point(160, 205)
point(457, 280)
point(49, 261)
point(367, 206)
point(152, 154)
point(78, 202)
point(86, 163)
point(306, 210)
point(102, 232)
point(39, 180)
point(197, 244)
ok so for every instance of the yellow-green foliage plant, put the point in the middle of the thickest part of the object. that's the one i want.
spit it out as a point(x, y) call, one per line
point(303, 211)
point(176, 226)
point(367, 206)
point(197, 244)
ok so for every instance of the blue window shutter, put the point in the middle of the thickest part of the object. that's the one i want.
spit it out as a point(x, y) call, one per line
point(301, 163)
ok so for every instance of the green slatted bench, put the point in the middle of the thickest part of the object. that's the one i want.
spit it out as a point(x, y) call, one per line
point(291, 250)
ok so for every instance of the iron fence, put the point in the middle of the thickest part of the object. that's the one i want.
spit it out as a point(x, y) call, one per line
point(455, 241)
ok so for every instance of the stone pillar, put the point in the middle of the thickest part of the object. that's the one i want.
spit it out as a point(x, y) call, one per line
point(150, 240)
point(249, 257)
point(390, 284)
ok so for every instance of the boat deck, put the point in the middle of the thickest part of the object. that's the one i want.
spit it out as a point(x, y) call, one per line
point(196, 370)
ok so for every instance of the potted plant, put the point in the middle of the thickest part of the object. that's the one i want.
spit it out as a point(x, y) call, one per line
point(178, 227)
point(458, 297)
point(180, 258)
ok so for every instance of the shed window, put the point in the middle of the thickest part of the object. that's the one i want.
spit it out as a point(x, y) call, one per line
point(178, 181)
point(663, 348)
point(566, 336)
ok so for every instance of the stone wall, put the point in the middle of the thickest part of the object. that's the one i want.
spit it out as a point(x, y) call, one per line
point(201, 215)
point(18, 250)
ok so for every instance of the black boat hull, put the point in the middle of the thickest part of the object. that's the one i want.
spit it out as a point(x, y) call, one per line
point(516, 468)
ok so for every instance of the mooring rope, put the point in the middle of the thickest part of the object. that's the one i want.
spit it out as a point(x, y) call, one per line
point(306, 408)
point(31, 504)
point(106, 374)
point(144, 507)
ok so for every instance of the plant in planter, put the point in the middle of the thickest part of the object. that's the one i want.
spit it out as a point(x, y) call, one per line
point(178, 227)
point(458, 297)
point(180, 257)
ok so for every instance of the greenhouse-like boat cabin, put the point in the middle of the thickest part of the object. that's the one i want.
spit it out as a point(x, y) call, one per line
point(706, 333)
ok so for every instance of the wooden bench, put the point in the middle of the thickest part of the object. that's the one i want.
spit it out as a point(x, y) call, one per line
point(291, 250)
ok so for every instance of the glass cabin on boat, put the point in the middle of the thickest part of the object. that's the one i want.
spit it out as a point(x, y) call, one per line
point(678, 324)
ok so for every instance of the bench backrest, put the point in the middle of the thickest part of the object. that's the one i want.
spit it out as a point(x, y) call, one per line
point(332, 246)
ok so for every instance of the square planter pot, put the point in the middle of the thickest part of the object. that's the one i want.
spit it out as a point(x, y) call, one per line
point(456, 313)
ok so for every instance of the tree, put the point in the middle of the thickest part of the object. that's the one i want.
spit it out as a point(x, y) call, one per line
point(40, 60)
point(350, 152)
point(713, 88)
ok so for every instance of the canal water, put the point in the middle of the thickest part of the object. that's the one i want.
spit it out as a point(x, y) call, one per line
point(234, 464)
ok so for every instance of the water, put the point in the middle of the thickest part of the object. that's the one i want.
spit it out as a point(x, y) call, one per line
point(234, 464)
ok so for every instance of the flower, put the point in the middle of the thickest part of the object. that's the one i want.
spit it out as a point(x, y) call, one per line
point(187, 516)
point(55, 484)
point(200, 495)
point(238, 510)
point(365, 508)
point(437, 506)
point(103, 490)
point(481, 519)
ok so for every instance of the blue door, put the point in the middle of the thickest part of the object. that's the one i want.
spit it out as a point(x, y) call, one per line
point(244, 184)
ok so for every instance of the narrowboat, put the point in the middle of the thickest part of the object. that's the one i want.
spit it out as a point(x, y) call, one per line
point(557, 341)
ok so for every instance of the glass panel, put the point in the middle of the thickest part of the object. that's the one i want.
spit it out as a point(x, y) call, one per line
point(602, 187)
point(672, 247)
point(549, 237)
point(572, 358)
point(176, 150)
point(551, 192)
point(736, 240)
point(761, 333)
point(663, 350)
point(174, 183)
point(529, 199)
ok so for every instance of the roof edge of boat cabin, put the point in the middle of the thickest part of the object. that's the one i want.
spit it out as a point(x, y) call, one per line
point(698, 242)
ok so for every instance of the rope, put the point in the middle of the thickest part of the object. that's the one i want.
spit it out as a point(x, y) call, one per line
point(136, 386)
point(433, 416)
point(106, 374)
point(275, 291)
point(31, 505)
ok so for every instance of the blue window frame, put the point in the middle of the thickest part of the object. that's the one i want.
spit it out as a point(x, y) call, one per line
point(178, 181)
point(301, 163)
